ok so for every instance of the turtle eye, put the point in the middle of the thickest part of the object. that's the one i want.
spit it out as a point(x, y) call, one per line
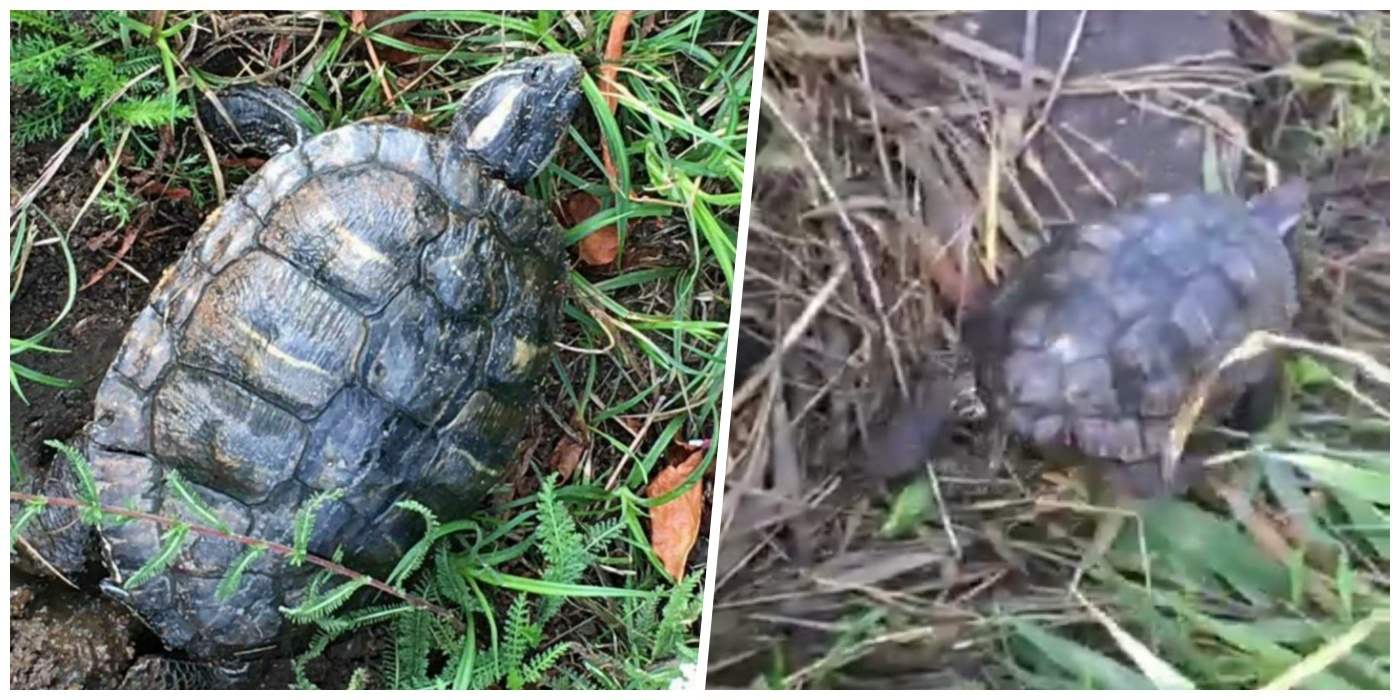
point(536, 75)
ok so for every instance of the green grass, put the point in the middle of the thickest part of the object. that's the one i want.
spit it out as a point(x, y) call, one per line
point(21, 247)
point(641, 363)
point(1283, 583)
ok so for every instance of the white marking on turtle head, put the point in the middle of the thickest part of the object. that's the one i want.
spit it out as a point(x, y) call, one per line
point(489, 128)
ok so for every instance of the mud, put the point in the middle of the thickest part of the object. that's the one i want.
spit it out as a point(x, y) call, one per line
point(61, 638)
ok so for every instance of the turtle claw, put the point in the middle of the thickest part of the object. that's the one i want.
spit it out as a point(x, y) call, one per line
point(114, 591)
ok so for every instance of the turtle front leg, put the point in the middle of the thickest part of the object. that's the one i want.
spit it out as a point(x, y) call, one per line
point(1261, 399)
point(1111, 504)
point(256, 119)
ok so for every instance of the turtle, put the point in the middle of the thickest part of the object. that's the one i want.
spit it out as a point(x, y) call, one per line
point(369, 315)
point(1092, 347)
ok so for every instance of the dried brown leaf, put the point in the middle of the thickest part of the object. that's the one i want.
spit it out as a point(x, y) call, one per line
point(566, 457)
point(599, 247)
point(675, 526)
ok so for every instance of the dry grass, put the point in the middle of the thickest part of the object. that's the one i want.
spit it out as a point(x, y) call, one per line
point(905, 162)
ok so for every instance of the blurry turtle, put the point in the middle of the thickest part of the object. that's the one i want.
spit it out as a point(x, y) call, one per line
point(1102, 339)
point(1106, 335)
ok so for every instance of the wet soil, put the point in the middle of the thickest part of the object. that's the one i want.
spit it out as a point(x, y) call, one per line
point(63, 638)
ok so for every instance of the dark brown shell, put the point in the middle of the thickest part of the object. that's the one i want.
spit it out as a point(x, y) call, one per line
point(367, 313)
point(1091, 349)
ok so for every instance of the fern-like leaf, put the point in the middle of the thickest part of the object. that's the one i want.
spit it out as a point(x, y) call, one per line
point(488, 671)
point(320, 606)
point(31, 510)
point(450, 583)
point(313, 651)
point(599, 534)
point(533, 672)
point(188, 496)
point(358, 679)
point(566, 555)
point(682, 606)
point(305, 524)
point(520, 636)
point(413, 643)
point(413, 559)
point(34, 19)
point(173, 542)
point(150, 112)
point(87, 483)
point(228, 585)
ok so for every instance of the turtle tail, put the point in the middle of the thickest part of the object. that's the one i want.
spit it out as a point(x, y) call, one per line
point(256, 119)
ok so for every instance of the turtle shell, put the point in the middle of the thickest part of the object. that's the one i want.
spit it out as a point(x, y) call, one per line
point(367, 313)
point(1096, 342)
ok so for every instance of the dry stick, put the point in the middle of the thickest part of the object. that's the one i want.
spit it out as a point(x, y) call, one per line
point(798, 327)
point(34, 554)
point(636, 442)
point(855, 247)
point(1029, 41)
point(870, 95)
point(885, 166)
point(1071, 48)
point(944, 519)
point(248, 542)
point(607, 77)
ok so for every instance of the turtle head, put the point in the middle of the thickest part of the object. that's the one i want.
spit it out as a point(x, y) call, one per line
point(1280, 207)
point(512, 119)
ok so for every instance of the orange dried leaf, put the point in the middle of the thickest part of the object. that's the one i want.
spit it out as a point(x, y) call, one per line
point(599, 247)
point(391, 55)
point(279, 50)
point(373, 18)
point(675, 526)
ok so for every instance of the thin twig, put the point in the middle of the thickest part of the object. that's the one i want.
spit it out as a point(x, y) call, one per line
point(1071, 48)
point(865, 274)
point(943, 516)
